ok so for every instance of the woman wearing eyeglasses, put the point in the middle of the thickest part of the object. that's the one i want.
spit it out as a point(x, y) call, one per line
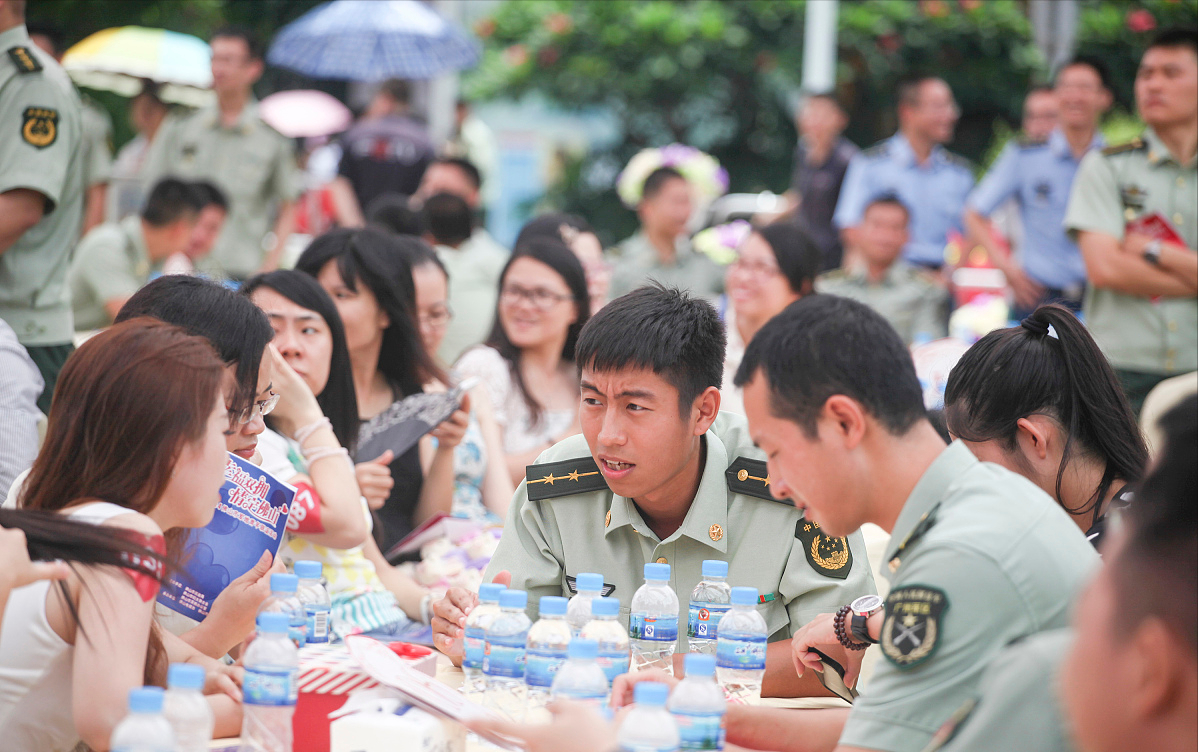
point(775, 266)
point(482, 489)
point(528, 360)
point(370, 282)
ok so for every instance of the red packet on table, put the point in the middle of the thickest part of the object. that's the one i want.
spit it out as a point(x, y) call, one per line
point(1155, 226)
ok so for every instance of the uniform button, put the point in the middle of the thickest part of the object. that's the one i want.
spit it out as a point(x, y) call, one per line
point(1169, 364)
point(1178, 219)
point(662, 560)
point(1172, 326)
point(1181, 182)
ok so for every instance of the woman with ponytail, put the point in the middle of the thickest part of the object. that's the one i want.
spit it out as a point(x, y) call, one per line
point(135, 446)
point(1041, 400)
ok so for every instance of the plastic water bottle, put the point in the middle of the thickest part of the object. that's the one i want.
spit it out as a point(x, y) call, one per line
point(474, 641)
point(186, 709)
point(144, 729)
point(283, 599)
point(740, 647)
point(605, 629)
point(503, 656)
point(698, 705)
point(653, 623)
point(709, 602)
point(589, 586)
point(316, 601)
point(269, 688)
point(547, 648)
point(649, 727)
point(580, 677)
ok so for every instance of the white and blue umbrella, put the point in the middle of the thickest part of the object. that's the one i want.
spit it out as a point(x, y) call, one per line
point(372, 40)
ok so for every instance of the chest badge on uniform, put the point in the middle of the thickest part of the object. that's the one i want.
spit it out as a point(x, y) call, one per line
point(829, 556)
point(39, 126)
point(716, 532)
point(912, 628)
point(1133, 196)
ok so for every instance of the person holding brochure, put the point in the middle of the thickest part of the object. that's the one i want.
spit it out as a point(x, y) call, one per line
point(312, 370)
point(69, 658)
point(240, 334)
point(365, 273)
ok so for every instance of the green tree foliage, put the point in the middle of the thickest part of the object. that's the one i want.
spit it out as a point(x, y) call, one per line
point(722, 76)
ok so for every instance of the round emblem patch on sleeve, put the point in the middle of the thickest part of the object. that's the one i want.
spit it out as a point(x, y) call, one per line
point(829, 556)
point(912, 628)
point(39, 126)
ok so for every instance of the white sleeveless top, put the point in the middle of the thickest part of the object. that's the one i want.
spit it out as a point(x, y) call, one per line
point(36, 664)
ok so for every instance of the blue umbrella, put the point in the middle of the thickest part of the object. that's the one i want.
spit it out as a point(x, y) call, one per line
point(372, 40)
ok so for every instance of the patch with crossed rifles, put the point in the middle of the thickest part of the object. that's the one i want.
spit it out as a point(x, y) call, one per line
point(913, 626)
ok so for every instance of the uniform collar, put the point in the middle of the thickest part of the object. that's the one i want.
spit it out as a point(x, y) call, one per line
point(903, 153)
point(642, 248)
point(1059, 145)
point(931, 489)
point(859, 272)
point(245, 121)
point(1158, 153)
point(15, 37)
point(708, 509)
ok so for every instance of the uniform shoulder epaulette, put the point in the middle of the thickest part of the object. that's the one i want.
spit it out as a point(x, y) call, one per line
point(880, 149)
point(1135, 144)
point(1024, 141)
point(23, 58)
point(835, 275)
point(566, 478)
point(751, 478)
point(924, 525)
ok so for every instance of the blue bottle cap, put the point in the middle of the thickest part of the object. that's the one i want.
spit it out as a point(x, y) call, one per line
point(513, 599)
point(273, 622)
point(698, 664)
point(657, 571)
point(580, 648)
point(308, 570)
point(715, 568)
point(651, 693)
point(553, 605)
point(744, 596)
point(145, 700)
point(605, 606)
point(185, 676)
point(589, 581)
point(489, 592)
point(283, 583)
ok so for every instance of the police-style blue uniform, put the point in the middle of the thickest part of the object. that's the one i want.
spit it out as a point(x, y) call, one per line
point(934, 193)
point(1039, 175)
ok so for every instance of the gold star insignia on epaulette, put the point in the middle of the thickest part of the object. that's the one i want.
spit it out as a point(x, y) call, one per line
point(566, 478)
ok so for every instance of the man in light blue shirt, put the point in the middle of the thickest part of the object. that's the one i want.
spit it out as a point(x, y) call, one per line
point(1039, 175)
point(913, 165)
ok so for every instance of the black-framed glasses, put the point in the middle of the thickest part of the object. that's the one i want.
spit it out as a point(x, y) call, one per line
point(539, 297)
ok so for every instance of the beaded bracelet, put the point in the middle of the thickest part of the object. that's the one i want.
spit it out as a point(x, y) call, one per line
point(842, 634)
point(305, 433)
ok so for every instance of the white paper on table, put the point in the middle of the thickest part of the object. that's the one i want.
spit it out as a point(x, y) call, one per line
point(424, 691)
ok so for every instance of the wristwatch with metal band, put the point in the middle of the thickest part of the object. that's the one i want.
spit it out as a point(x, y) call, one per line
point(863, 608)
point(1152, 252)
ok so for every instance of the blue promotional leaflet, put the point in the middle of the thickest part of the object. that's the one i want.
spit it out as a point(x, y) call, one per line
point(250, 518)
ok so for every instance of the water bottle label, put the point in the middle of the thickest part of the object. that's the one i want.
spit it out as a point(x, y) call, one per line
point(741, 651)
point(262, 686)
point(541, 666)
point(635, 747)
point(613, 663)
point(504, 660)
point(653, 628)
point(700, 730)
point(318, 624)
point(474, 643)
point(704, 618)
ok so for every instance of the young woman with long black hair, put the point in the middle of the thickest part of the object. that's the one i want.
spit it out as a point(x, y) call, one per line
point(370, 283)
point(313, 370)
point(527, 362)
point(135, 444)
point(1041, 400)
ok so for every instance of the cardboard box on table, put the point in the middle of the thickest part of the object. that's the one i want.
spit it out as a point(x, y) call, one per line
point(328, 675)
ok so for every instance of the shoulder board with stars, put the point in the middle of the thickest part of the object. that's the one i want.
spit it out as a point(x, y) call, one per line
point(24, 59)
point(565, 478)
point(1135, 144)
point(751, 478)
